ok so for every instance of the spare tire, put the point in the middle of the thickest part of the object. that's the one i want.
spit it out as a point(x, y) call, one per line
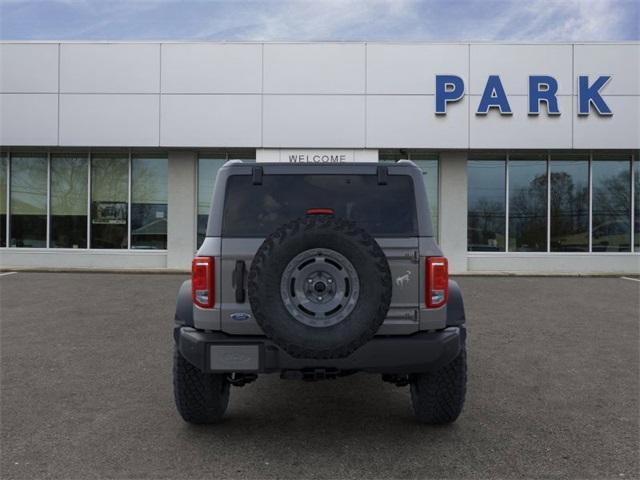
point(320, 287)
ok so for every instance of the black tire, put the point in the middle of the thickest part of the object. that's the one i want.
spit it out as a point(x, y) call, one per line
point(438, 397)
point(201, 398)
point(368, 312)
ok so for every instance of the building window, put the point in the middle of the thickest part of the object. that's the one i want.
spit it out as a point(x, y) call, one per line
point(149, 197)
point(527, 203)
point(569, 209)
point(4, 165)
point(580, 202)
point(28, 207)
point(392, 155)
point(636, 202)
point(208, 166)
point(68, 207)
point(611, 214)
point(487, 204)
point(109, 197)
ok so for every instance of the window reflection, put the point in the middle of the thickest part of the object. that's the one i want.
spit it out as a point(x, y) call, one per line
point(28, 223)
point(256, 211)
point(570, 203)
point(486, 205)
point(207, 172)
point(428, 163)
point(149, 196)
point(69, 201)
point(636, 189)
point(527, 203)
point(611, 230)
point(109, 193)
point(3, 200)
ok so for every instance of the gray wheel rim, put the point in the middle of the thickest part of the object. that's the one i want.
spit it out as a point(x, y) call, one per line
point(320, 287)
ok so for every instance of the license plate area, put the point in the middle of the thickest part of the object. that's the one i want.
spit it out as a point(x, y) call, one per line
point(234, 358)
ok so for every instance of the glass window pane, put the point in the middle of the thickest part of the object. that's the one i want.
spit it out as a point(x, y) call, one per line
point(256, 211)
point(149, 196)
point(28, 201)
point(392, 155)
point(207, 171)
point(636, 188)
point(3, 200)
point(428, 163)
point(246, 155)
point(486, 205)
point(527, 203)
point(611, 230)
point(69, 201)
point(570, 203)
point(429, 167)
point(109, 193)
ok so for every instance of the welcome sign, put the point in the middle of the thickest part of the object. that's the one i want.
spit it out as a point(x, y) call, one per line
point(316, 156)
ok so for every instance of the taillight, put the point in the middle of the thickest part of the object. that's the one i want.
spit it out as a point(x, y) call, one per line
point(202, 281)
point(320, 211)
point(437, 281)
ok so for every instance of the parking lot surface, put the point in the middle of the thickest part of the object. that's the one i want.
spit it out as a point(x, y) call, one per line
point(86, 391)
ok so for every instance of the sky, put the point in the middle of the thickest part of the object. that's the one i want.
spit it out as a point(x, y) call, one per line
point(321, 20)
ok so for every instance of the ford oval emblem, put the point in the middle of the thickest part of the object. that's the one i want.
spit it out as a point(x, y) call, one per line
point(240, 316)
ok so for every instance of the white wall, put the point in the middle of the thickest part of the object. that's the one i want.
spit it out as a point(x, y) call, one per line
point(316, 95)
point(452, 205)
point(182, 204)
point(555, 263)
point(82, 259)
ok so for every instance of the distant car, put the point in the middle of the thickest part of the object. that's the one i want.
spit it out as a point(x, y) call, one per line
point(314, 272)
point(611, 236)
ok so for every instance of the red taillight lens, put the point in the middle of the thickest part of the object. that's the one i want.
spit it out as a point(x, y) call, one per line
point(437, 282)
point(320, 211)
point(202, 282)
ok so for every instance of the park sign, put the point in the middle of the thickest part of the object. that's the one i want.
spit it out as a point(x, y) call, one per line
point(542, 90)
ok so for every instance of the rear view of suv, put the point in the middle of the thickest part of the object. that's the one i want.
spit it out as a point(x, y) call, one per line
point(319, 271)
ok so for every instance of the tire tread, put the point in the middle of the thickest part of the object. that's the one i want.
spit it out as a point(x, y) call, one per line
point(438, 397)
point(201, 398)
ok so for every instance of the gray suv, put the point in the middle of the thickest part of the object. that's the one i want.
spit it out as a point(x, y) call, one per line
point(314, 272)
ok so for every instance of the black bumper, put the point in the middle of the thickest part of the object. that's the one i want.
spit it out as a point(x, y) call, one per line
point(219, 352)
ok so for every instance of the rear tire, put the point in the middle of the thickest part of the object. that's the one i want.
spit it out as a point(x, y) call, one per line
point(438, 397)
point(201, 398)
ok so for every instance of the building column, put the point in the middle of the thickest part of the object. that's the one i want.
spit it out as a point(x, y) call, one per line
point(453, 209)
point(181, 227)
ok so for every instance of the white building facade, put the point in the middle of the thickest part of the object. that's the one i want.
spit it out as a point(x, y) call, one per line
point(109, 151)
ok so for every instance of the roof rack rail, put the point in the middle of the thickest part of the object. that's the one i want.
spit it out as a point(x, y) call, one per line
point(404, 161)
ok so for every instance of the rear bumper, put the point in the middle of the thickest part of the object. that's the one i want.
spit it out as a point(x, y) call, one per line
point(219, 352)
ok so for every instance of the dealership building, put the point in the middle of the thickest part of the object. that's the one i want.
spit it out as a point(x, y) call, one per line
point(109, 151)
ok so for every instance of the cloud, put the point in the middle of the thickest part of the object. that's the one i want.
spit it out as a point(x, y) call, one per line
point(571, 20)
point(434, 20)
point(331, 20)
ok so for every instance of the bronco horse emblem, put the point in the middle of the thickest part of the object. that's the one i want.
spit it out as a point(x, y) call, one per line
point(402, 280)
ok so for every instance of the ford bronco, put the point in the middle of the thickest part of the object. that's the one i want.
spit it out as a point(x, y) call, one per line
point(314, 272)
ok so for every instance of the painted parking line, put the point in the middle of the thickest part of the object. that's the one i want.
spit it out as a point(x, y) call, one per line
point(7, 273)
point(632, 279)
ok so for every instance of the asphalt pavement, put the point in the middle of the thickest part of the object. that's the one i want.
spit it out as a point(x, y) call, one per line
point(86, 391)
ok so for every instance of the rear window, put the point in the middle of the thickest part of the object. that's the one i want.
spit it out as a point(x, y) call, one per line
point(257, 210)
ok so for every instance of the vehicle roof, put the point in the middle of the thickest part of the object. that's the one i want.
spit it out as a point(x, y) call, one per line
point(238, 167)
